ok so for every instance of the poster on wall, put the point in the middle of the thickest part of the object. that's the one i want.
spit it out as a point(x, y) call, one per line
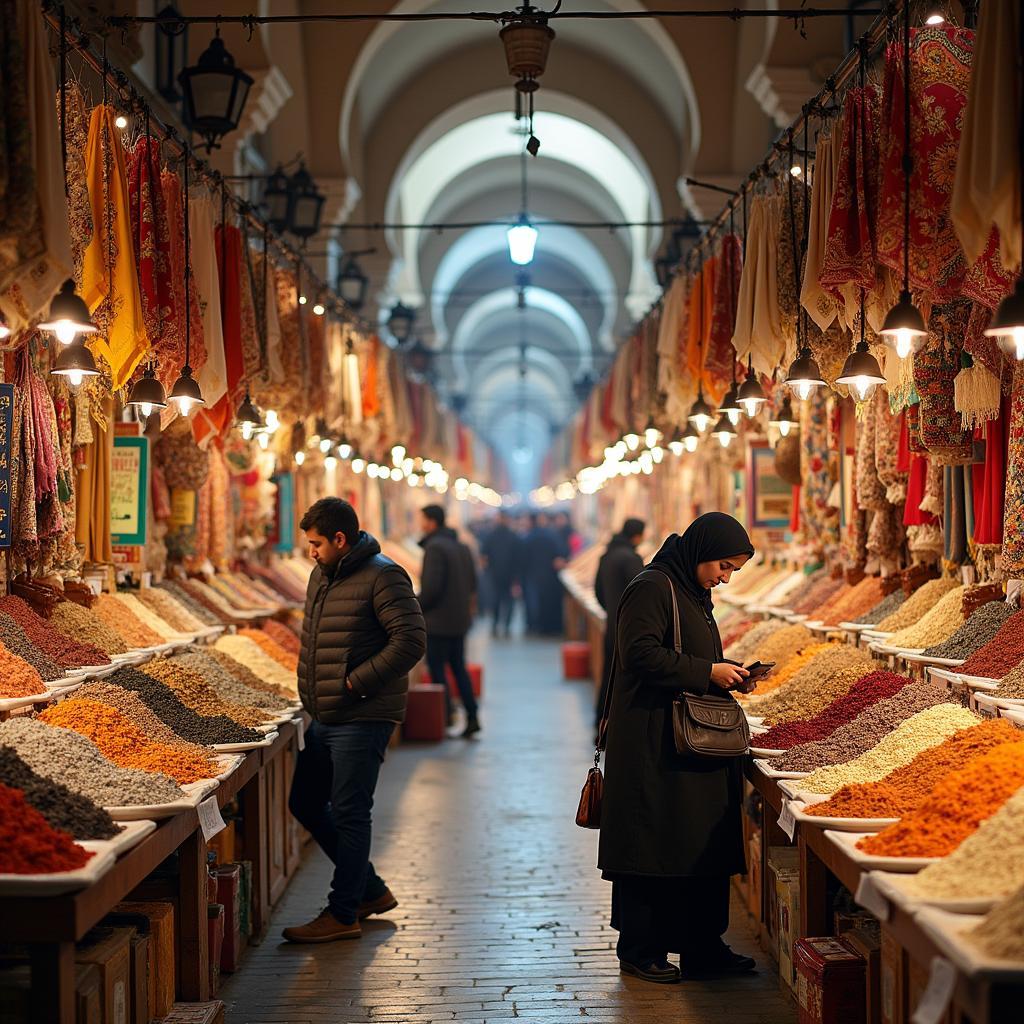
point(282, 530)
point(129, 485)
point(770, 498)
point(6, 433)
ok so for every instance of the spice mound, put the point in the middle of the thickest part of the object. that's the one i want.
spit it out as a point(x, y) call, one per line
point(287, 659)
point(790, 667)
point(955, 807)
point(172, 611)
point(63, 755)
point(820, 591)
point(193, 690)
point(65, 650)
point(935, 625)
point(917, 605)
point(60, 806)
point(986, 865)
point(847, 608)
point(200, 661)
point(883, 609)
point(1003, 652)
point(273, 695)
point(282, 636)
point(17, 677)
point(1001, 932)
point(29, 845)
point(254, 658)
point(903, 789)
point(13, 637)
point(195, 608)
point(868, 690)
point(121, 741)
point(124, 622)
point(77, 621)
point(861, 734)
point(744, 646)
point(981, 627)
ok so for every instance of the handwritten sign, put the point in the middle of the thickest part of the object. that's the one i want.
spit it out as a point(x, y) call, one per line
point(129, 485)
point(210, 819)
point(6, 437)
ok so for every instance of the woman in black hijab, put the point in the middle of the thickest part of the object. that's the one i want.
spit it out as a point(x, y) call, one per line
point(671, 835)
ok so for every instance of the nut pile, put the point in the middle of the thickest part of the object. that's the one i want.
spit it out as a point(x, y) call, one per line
point(981, 627)
point(61, 807)
point(195, 692)
point(83, 624)
point(13, 637)
point(65, 650)
point(68, 757)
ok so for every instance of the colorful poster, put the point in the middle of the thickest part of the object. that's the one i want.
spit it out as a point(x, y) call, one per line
point(770, 497)
point(282, 531)
point(6, 435)
point(129, 485)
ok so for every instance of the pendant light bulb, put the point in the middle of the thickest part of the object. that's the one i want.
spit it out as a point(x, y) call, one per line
point(1007, 326)
point(701, 414)
point(398, 454)
point(804, 375)
point(522, 241)
point(69, 315)
point(784, 421)
point(676, 446)
point(861, 373)
point(300, 457)
point(344, 450)
point(247, 430)
point(724, 431)
point(186, 393)
point(330, 463)
point(935, 17)
point(751, 395)
point(904, 328)
point(690, 439)
point(147, 393)
point(632, 441)
point(325, 444)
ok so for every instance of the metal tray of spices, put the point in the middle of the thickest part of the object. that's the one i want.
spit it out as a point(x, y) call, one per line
point(132, 833)
point(766, 769)
point(949, 932)
point(839, 824)
point(847, 842)
point(227, 748)
point(57, 882)
point(894, 887)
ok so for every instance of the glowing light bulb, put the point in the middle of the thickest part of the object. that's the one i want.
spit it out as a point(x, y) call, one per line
point(358, 465)
point(1012, 343)
point(330, 462)
point(300, 458)
point(657, 453)
point(373, 470)
point(632, 441)
point(863, 387)
point(734, 416)
point(344, 451)
point(325, 444)
point(146, 409)
point(75, 378)
point(701, 421)
point(750, 406)
point(522, 242)
point(398, 454)
point(407, 466)
point(784, 428)
point(690, 444)
point(676, 448)
point(397, 474)
point(263, 440)
point(796, 170)
point(318, 309)
point(935, 18)
point(725, 440)
point(802, 389)
point(652, 435)
point(185, 405)
point(302, 300)
point(247, 431)
point(121, 122)
point(904, 343)
point(65, 331)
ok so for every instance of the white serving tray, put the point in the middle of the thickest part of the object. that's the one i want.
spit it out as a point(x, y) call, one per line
point(228, 748)
point(847, 842)
point(987, 699)
point(765, 768)
point(924, 659)
point(11, 703)
point(229, 764)
point(947, 931)
point(839, 824)
point(190, 799)
point(894, 887)
point(1017, 717)
point(978, 682)
point(764, 752)
point(132, 833)
point(58, 882)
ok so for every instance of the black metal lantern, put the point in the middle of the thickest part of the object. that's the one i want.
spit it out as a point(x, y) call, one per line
point(400, 322)
point(147, 392)
point(352, 283)
point(307, 204)
point(277, 195)
point(215, 92)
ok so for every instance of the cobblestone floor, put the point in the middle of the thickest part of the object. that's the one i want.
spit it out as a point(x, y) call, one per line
point(503, 915)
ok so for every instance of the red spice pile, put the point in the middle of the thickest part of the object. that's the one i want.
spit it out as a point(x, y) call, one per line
point(1004, 651)
point(63, 649)
point(868, 690)
point(29, 844)
point(282, 635)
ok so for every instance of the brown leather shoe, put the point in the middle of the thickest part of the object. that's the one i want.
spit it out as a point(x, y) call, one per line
point(381, 905)
point(323, 928)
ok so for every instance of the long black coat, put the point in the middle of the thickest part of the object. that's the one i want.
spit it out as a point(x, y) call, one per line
point(447, 584)
point(664, 814)
point(619, 564)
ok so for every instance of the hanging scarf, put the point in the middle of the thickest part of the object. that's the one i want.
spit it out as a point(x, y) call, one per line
point(990, 482)
point(820, 305)
point(720, 356)
point(77, 142)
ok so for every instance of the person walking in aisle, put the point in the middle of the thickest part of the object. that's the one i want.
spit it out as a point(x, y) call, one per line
point(447, 591)
point(544, 555)
point(619, 564)
point(362, 633)
point(501, 550)
point(671, 834)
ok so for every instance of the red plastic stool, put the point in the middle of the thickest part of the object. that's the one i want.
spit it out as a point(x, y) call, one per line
point(425, 714)
point(576, 660)
point(476, 677)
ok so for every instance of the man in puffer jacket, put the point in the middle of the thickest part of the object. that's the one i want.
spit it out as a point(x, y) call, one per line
point(362, 633)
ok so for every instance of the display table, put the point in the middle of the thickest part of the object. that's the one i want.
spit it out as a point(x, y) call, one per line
point(51, 926)
point(584, 620)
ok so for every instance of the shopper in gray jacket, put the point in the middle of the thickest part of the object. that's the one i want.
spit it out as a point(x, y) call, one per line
point(362, 633)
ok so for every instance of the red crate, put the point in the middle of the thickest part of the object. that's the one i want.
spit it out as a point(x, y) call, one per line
point(830, 982)
point(425, 714)
point(576, 660)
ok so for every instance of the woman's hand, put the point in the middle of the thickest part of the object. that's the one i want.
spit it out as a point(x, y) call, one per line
point(727, 676)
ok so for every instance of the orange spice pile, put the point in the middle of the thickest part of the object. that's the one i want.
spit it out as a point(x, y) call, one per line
point(284, 658)
point(120, 618)
point(955, 807)
point(121, 741)
point(282, 636)
point(17, 677)
point(905, 788)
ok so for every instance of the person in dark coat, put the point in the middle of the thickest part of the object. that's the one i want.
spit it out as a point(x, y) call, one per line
point(545, 553)
point(501, 550)
point(447, 591)
point(671, 834)
point(619, 564)
point(362, 633)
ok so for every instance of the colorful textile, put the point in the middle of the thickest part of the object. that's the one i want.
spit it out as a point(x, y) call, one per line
point(77, 142)
point(819, 521)
point(990, 481)
point(887, 441)
point(820, 305)
point(1013, 518)
point(759, 335)
point(720, 356)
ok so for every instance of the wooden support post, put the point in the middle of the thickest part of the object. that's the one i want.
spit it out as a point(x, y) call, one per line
point(193, 936)
point(814, 908)
point(53, 982)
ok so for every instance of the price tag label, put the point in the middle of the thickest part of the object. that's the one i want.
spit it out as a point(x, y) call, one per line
point(210, 820)
point(871, 899)
point(786, 820)
point(300, 726)
point(938, 993)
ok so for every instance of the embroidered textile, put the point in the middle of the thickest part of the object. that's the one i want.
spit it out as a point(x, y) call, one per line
point(820, 305)
point(720, 356)
point(1013, 519)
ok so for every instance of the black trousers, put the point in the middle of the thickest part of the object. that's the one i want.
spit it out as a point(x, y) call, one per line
point(450, 651)
point(658, 916)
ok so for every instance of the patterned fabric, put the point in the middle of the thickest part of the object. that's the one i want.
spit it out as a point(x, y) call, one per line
point(819, 521)
point(870, 489)
point(720, 357)
point(77, 140)
point(820, 306)
point(990, 481)
point(887, 442)
point(792, 207)
point(759, 334)
point(1013, 518)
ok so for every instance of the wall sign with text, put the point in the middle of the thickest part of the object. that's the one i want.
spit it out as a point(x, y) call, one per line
point(129, 486)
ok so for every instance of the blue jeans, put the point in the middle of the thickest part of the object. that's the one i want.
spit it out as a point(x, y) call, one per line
point(332, 796)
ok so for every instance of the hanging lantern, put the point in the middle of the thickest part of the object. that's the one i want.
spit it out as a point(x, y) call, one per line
point(675, 445)
point(522, 241)
point(400, 322)
point(701, 414)
point(1007, 326)
point(5, 331)
point(76, 363)
point(690, 438)
point(69, 315)
point(724, 431)
point(784, 421)
point(730, 404)
point(186, 393)
point(861, 372)
point(277, 200)
point(306, 205)
point(652, 435)
point(631, 440)
point(527, 40)
point(420, 358)
point(215, 92)
point(352, 284)
point(804, 375)
point(751, 395)
point(147, 393)
point(248, 417)
point(904, 328)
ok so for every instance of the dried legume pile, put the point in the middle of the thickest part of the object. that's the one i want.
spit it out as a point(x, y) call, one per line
point(864, 731)
point(17, 677)
point(986, 865)
point(1000, 933)
point(926, 729)
point(817, 594)
point(815, 686)
point(250, 654)
point(195, 608)
point(954, 808)
point(77, 621)
point(903, 789)
point(124, 743)
point(135, 709)
point(743, 647)
point(167, 706)
point(922, 601)
point(782, 674)
point(226, 686)
point(60, 806)
point(883, 609)
point(1012, 684)
point(284, 637)
point(195, 692)
point(286, 659)
point(29, 845)
point(162, 630)
point(981, 627)
point(68, 757)
point(124, 622)
point(934, 626)
point(65, 650)
point(1003, 652)
point(173, 612)
point(865, 692)
point(13, 637)
point(277, 697)
point(863, 596)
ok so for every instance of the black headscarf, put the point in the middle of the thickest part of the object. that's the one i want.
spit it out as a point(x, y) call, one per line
point(709, 537)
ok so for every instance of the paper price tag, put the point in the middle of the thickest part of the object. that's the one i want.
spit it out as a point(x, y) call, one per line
point(210, 820)
point(300, 726)
point(786, 820)
point(937, 994)
point(871, 899)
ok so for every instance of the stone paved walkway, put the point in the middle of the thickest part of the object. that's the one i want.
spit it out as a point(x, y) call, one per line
point(503, 915)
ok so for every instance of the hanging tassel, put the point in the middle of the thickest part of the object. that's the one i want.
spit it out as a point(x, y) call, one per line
point(975, 393)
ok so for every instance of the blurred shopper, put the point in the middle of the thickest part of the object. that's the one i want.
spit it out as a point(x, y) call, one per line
point(447, 592)
point(544, 555)
point(571, 540)
point(362, 633)
point(670, 824)
point(500, 551)
point(619, 564)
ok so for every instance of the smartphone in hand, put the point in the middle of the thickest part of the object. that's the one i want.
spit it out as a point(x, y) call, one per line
point(757, 671)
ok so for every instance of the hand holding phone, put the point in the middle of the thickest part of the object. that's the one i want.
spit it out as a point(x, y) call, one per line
point(756, 672)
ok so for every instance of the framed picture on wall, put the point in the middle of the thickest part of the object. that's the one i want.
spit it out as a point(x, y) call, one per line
point(769, 497)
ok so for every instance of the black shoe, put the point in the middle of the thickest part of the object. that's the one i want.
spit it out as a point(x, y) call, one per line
point(661, 974)
point(472, 727)
point(720, 961)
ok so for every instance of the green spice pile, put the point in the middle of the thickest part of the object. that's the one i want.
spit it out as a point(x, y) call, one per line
point(981, 627)
point(13, 637)
point(82, 624)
